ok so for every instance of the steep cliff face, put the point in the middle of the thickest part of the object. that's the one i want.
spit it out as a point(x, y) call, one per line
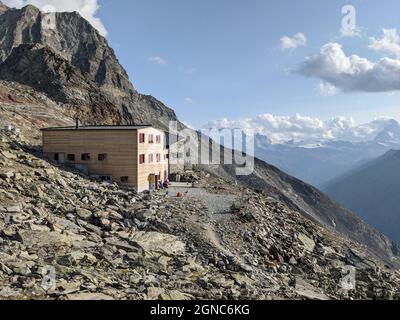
point(69, 35)
point(59, 80)
point(72, 56)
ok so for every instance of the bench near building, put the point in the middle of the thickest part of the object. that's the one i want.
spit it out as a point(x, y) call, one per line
point(133, 156)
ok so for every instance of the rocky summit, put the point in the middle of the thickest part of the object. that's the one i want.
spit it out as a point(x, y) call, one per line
point(65, 236)
point(72, 63)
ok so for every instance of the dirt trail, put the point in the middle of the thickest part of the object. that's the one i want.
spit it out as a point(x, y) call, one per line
point(219, 208)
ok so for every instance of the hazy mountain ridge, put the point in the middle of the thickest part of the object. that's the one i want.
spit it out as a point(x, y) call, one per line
point(371, 190)
point(318, 162)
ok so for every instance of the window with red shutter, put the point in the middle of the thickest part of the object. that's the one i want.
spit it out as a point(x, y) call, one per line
point(142, 159)
point(142, 138)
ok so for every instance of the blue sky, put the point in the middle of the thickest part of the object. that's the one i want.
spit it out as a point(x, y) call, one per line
point(215, 59)
point(222, 59)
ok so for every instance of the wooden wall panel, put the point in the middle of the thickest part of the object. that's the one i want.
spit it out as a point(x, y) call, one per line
point(119, 145)
point(122, 148)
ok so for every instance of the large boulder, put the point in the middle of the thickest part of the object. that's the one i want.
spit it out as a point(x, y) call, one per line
point(42, 239)
point(159, 243)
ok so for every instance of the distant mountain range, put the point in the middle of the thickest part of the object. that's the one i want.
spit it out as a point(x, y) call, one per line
point(318, 162)
point(372, 191)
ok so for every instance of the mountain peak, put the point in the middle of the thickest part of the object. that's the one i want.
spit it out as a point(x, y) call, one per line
point(75, 50)
point(390, 133)
point(30, 7)
point(389, 154)
point(3, 7)
point(371, 191)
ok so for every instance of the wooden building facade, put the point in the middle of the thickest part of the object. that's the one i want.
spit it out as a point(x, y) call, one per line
point(133, 156)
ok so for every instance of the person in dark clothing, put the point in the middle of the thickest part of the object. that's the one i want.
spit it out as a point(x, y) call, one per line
point(166, 184)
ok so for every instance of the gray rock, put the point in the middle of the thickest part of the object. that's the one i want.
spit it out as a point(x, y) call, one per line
point(6, 175)
point(14, 209)
point(42, 239)
point(154, 293)
point(84, 214)
point(8, 155)
point(9, 293)
point(160, 243)
point(89, 297)
point(144, 215)
point(77, 258)
point(307, 243)
point(120, 244)
point(306, 290)
point(176, 295)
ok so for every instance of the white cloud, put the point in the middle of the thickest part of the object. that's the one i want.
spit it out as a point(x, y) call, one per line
point(352, 73)
point(281, 129)
point(158, 60)
point(189, 100)
point(325, 89)
point(298, 40)
point(86, 8)
point(390, 42)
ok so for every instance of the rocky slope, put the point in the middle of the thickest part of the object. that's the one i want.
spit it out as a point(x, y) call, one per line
point(30, 110)
point(312, 204)
point(63, 236)
point(73, 65)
